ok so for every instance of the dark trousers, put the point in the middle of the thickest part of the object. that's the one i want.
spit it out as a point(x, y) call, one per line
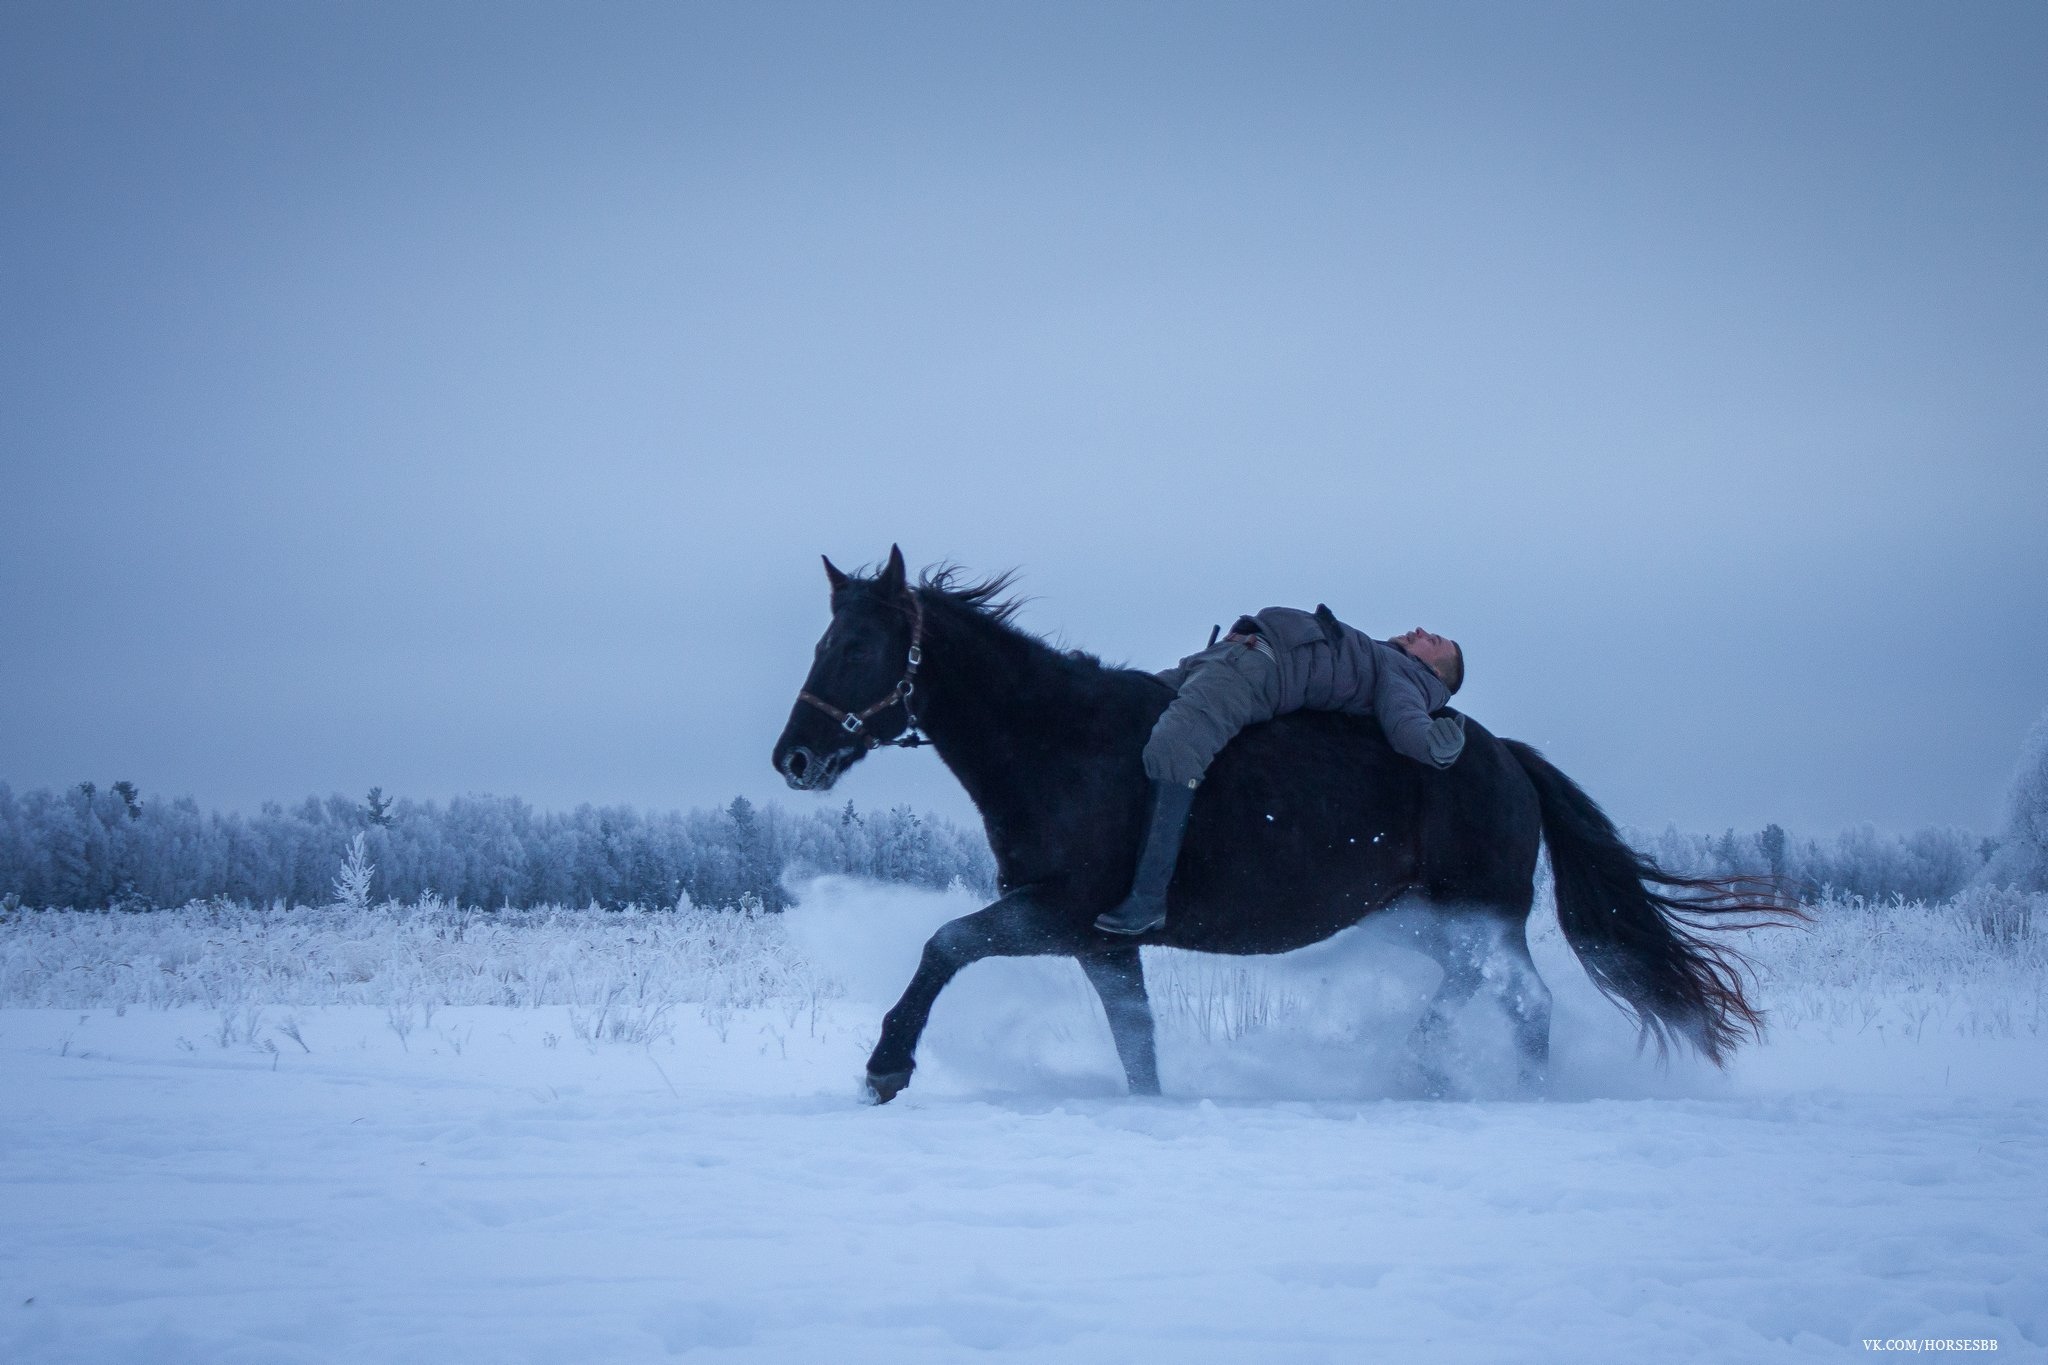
point(1220, 691)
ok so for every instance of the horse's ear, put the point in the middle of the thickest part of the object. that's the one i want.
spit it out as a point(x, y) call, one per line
point(893, 573)
point(837, 579)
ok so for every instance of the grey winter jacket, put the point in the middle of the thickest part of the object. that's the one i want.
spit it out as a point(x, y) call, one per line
point(1355, 673)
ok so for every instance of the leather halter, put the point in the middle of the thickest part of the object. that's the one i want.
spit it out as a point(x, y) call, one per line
point(856, 723)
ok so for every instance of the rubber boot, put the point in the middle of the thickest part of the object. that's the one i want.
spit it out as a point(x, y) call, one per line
point(1145, 908)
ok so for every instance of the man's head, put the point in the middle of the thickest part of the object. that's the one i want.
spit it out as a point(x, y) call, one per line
point(1443, 656)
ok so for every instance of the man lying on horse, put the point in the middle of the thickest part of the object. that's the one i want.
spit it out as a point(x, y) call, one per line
point(1278, 661)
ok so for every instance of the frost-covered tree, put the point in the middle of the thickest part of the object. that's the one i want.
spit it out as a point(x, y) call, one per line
point(130, 797)
point(352, 883)
point(2021, 856)
point(1772, 842)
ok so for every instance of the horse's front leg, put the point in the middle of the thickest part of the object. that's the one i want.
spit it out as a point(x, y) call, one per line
point(1118, 975)
point(1015, 926)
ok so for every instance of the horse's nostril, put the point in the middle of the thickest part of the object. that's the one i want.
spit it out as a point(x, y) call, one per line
point(796, 763)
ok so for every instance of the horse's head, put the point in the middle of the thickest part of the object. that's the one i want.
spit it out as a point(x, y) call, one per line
point(860, 688)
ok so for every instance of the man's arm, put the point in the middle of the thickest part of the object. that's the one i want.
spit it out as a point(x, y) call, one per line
point(1403, 709)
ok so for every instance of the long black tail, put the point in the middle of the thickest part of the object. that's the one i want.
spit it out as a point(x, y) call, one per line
point(1643, 948)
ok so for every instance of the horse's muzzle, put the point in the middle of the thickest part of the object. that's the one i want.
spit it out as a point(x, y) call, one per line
point(806, 771)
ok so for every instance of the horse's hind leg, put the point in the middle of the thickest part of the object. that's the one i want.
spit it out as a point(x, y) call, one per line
point(1489, 954)
point(1118, 975)
point(1429, 1041)
point(1526, 1001)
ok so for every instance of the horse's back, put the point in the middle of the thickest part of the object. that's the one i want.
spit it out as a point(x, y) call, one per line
point(1308, 823)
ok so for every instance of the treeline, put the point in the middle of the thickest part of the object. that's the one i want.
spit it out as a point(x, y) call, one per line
point(87, 848)
point(1926, 865)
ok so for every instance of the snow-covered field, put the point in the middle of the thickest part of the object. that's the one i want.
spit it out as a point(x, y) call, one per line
point(423, 1135)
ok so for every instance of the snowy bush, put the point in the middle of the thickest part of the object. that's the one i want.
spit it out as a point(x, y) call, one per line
point(1974, 965)
point(603, 963)
point(1977, 964)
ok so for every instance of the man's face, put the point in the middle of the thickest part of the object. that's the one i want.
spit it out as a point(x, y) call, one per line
point(1428, 647)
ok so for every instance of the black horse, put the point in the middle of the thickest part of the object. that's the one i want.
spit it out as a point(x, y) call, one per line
point(1304, 826)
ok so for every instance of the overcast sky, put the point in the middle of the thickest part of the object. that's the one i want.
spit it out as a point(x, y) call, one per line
point(457, 398)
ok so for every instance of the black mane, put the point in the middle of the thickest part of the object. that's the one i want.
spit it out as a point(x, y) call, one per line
point(984, 597)
point(945, 584)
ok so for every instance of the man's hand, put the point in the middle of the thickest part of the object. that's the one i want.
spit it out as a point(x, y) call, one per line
point(1446, 740)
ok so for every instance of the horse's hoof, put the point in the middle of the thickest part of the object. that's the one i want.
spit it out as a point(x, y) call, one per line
point(883, 1086)
point(1429, 1083)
